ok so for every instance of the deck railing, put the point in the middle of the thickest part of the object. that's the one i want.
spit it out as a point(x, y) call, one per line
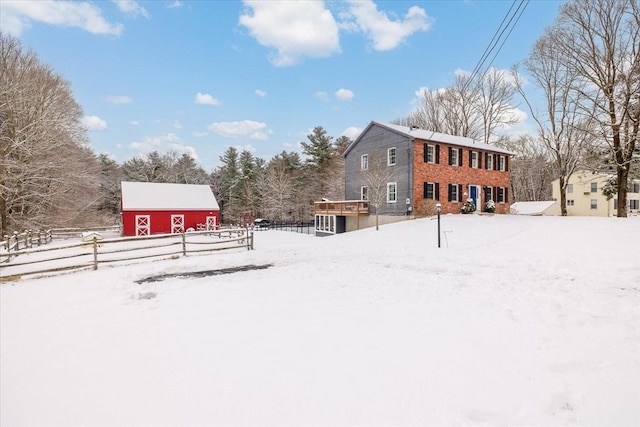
point(342, 207)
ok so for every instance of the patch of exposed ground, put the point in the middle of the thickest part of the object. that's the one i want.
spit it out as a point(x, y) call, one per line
point(204, 273)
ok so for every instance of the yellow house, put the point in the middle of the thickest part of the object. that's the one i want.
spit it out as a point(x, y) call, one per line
point(584, 195)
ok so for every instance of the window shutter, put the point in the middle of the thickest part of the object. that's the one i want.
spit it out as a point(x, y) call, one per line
point(425, 153)
point(479, 159)
point(486, 161)
point(506, 195)
point(470, 155)
point(450, 156)
point(437, 154)
point(459, 156)
point(460, 192)
point(450, 189)
point(437, 191)
point(506, 163)
point(424, 190)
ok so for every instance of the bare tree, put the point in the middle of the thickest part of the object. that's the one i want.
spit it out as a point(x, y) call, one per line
point(531, 169)
point(599, 40)
point(48, 175)
point(376, 178)
point(497, 88)
point(472, 107)
point(563, 129)
point(278, 190)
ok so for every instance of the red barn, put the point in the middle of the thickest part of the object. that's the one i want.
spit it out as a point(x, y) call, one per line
point(152, 208)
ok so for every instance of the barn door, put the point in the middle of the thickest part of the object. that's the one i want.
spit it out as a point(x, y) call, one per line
point(143, 225)
point(177, 223)
point(211, 222)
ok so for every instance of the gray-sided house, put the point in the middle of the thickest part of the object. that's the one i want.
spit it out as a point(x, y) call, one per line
point(417, 168)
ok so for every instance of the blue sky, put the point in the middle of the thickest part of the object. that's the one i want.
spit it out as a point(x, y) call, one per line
point(200, 76)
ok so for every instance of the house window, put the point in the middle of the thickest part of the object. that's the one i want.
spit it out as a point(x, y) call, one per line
point(392, 192)
point(634, 204)
point(594, 188)
point(594, 203)
point(473, 159)
point(455, 157)
point(501, 195)
point(454, 192)
point(432, 153)
point(501, 163)
point(391, 156)
point(569, 188)
point(570, 202)
point(635, 188)
point(326, 223)
point(429, 153)
point(364, 193)
point(488, 194)
point(489, 161)
point(364, 162)
point(431, 190)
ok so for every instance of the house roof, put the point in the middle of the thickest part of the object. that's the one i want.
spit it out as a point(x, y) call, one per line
point(428, 135)
point(163, 196)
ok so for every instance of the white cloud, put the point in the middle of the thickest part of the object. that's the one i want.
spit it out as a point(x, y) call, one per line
point(206, 99)
point(385, 32)
point(245, 128)
point(322, 96)
point(175, 4)
point(163, 143)
point(295, 30)
point(16, 16)
point(94, 123)
point(260, 93)
point(119, 99)
point(199, 134)
point(134, 123)
point(177, 125)
point(131, 8)
point(344, 94)
point(352, 132)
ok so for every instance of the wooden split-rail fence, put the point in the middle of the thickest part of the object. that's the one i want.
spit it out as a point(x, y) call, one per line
point(27, 260)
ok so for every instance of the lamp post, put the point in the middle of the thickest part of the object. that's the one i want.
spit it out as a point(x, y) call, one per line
point(438, 209)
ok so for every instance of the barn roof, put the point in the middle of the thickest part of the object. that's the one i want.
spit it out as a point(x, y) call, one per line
point(163, 196)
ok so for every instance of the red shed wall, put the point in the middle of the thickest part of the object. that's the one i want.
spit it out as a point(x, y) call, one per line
point(161, 220)
point(445, 174)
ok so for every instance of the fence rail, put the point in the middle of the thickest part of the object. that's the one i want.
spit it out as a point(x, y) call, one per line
point(26, 239)
point(89, 255)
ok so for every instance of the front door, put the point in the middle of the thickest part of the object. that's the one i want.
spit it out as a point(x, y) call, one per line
point(474, 194)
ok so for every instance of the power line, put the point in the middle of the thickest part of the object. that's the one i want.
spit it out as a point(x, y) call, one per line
point(507, 26)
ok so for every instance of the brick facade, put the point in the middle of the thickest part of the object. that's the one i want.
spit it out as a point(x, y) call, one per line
point(464, 175)
point(423, 181)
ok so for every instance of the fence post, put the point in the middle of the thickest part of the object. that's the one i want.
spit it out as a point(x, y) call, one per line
point(95, 253)
point(184, 244)
point(17, 237)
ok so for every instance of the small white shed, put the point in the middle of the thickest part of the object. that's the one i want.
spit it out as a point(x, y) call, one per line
point(543, 208)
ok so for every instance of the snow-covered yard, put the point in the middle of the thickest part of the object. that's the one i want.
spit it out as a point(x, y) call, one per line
point(520, 321)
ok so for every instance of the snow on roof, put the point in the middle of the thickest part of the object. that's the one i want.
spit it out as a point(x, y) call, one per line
point(532, 208)
point(444, 138)
point(163, 196)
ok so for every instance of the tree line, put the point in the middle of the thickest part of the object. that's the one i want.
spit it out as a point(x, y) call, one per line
point(586, 65)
